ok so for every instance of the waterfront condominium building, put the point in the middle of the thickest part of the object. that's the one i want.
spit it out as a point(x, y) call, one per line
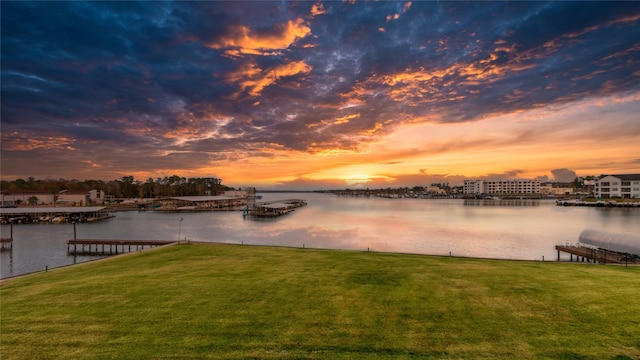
point(626, 186)
point(502, 187)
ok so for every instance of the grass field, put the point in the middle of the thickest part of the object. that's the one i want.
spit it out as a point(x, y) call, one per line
point(197, 301)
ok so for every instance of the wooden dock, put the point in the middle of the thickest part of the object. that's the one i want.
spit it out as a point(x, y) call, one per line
point(111, 247)
point(593, 255)
point(600, 203)
point(273, 208)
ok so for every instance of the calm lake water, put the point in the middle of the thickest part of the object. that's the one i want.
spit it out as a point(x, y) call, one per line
point(500, 229)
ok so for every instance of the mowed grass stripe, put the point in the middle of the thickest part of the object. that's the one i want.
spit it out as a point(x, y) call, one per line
point(235, 302)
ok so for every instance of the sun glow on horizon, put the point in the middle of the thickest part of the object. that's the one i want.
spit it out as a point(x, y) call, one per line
point(506, 144)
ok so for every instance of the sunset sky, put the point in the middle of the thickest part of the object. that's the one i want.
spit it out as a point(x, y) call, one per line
point(318, 95)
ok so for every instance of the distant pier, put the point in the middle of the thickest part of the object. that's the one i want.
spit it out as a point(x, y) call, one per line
point(600, 203)
point(200, 203)
point(273, 208)
point(111, 247)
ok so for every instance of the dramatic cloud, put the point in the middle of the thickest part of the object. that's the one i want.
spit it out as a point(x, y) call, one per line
point(304, 93)
point(563, 175)
point(244, 41)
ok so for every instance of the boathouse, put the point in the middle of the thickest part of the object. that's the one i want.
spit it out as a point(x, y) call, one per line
point(53, 214)
point(200, 203)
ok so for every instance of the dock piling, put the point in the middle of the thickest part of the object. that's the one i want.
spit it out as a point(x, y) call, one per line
point(8, 240)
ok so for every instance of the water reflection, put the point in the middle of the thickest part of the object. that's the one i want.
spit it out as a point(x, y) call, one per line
point(502, 202)
point(508, 229)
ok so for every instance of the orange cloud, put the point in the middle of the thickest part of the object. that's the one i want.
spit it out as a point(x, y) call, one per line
point(23, 142)
point(92, 164)
point(284, 70)
point(491, 70)
point(242, 40)
point(420, 75)
point(396, 16)
point(406, 6)
point(250, 76)
point(317, 9)
point(414, 87)
point(244, 71)
point(345, 119)
point(627, 20)
point(377, 127)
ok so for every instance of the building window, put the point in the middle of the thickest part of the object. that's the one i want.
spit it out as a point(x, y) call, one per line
point(606, 190)
point(626, 183)
point(626, 190)
point(605, 184)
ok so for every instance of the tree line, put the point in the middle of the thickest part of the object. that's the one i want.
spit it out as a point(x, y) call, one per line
point(125, 187)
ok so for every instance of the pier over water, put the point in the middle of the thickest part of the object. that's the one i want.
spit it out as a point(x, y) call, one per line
point(111, 247)
point(604, 247)
point(273, 208)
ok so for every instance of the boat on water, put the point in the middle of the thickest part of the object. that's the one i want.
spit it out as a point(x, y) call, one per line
point(59, 219)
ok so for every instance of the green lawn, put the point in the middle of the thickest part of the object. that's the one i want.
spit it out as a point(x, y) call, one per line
point(195, 301)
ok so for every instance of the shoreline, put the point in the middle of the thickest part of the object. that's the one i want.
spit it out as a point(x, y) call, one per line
point(368, 250)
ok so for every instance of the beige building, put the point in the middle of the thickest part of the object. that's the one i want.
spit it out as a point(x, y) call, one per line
point(502, 187)
point(80, 197)
point(22, 197)
point(550, 190)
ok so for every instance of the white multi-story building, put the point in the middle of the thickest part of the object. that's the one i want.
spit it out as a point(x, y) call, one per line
point(502, 187)
point(472, 187)
point(626, 186)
